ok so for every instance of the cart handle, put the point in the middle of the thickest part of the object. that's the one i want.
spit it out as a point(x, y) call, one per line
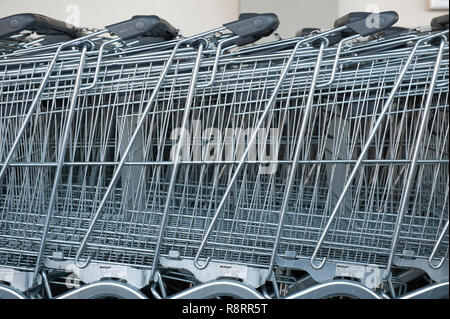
point(248, 29)
point(54, 39)
point(366, 23)
point(137, 26)
point(440, 23)
point(306, 32)
point(35, 22)
point(251, 27)
point(140, 25)
point(357, 19)
point(332, 39)
point(394, 32)
point(358, 24)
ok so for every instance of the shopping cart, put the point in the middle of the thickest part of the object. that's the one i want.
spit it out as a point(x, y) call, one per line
point(196, 189)
point(247, 230)
point(153, 159)
point(33, 103)
point(64, 109)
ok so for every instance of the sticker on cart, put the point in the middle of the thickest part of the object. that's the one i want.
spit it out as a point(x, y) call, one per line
point(233, 271)
point(113, 271)
point(352, 271)
point(6, 274)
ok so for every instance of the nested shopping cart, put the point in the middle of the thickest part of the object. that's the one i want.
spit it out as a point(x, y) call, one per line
point(40, 89)
point(143, 156)
point(332, 134)
point(27, 32)
point(61, 97)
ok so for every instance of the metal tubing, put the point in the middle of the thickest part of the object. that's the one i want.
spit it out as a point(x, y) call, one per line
point(412, 168)
point(61, 155)
point(177, 159)
point(298, 148)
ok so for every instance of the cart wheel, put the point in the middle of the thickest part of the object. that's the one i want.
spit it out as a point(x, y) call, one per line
point(336, 289)
point(107, 289)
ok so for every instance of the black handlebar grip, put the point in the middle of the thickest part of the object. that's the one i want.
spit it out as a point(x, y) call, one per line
point(394, 32)
point(247, 15)
point(440, 23)
point(53, 39)
point(150, 40)
point(151, 26)
point(366, 23)
point(253, 25)
point(241, 41)
point(332, 39)
point(305, 32)
point(350, 18)
point(35, 22)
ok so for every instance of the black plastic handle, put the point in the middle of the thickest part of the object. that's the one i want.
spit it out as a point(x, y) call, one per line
point(440, 23)
point(305, 32)
point(150, 40)
point(53, 39)
point(35, 22)
point(367, 23)
point(241, 41)
point(253, 26)
point(332, 39)
point(149, 26)
point(394, 32)
point(247, 15)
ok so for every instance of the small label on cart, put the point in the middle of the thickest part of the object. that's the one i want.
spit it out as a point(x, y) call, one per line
point(6, 274)
point(234, 271)
point(350, 271)
point(113, 271)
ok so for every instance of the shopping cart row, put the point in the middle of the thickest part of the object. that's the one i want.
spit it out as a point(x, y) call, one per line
point(305, 167)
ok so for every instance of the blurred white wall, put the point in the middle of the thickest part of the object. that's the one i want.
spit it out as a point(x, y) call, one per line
point(190, 16)
point(195, 16)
